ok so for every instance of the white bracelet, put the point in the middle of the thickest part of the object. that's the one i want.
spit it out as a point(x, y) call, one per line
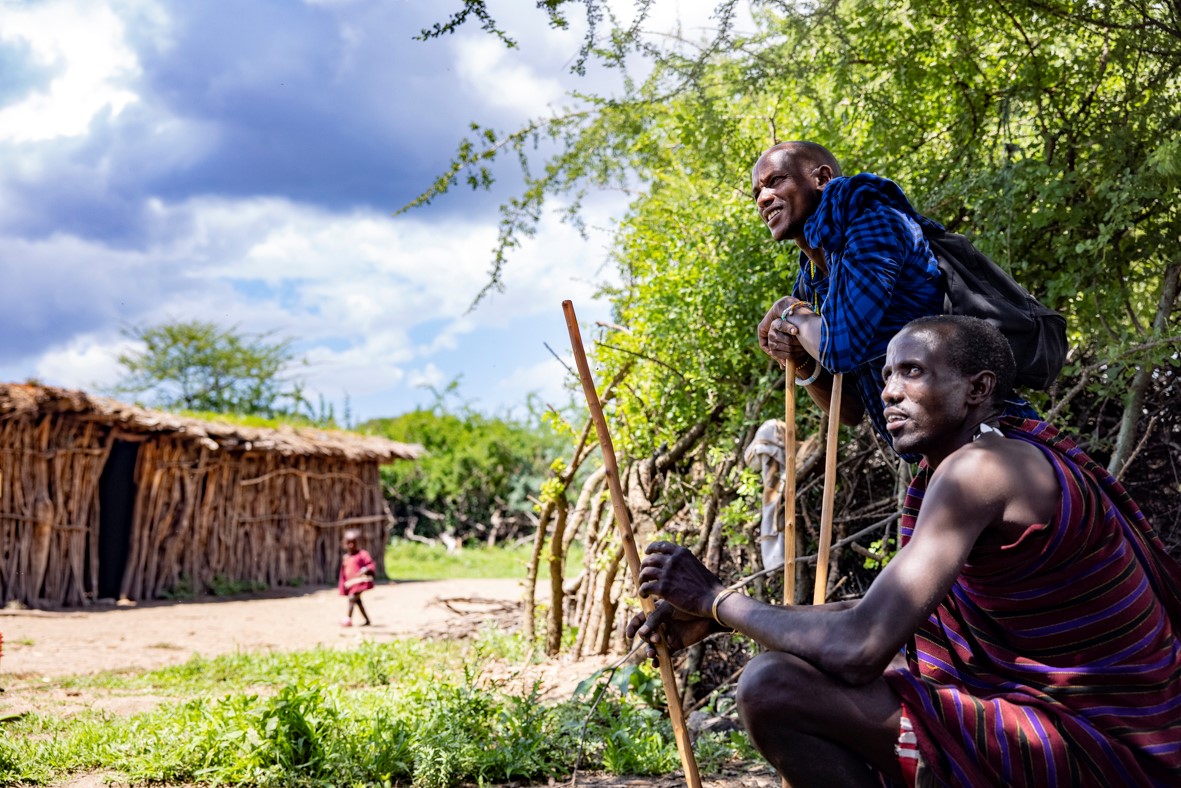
point(808, 381)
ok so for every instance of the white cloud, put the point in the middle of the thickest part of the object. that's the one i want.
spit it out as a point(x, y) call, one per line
point(374, 303)
point(547, 379)
point(86, 361)
point(429, 376)
point(85, 42)
point(503, 80)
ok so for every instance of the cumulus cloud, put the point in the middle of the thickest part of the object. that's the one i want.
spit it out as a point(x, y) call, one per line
point(546, 379)
point(238, 163)
point(371, 302)
point(485, 65)
point(92, 64)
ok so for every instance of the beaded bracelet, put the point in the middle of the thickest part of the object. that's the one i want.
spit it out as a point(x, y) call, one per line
point(808, 381)
point(793, 307)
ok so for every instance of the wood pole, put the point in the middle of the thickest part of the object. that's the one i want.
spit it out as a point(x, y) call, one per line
point(830, 487)
point(627, 537)
point(789, 485)
point(789, 491)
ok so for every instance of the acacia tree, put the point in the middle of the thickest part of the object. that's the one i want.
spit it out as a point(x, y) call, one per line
point(1049, 131)
point(200, 366)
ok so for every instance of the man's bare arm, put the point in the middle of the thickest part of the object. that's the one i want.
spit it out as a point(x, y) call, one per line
point(970, 492)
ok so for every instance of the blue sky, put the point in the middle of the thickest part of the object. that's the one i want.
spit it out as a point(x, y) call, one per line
point(240, 161)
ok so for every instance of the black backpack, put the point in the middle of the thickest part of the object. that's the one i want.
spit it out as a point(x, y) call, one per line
point(975, 285)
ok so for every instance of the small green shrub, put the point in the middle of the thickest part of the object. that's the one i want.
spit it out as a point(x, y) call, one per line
point(224, 586)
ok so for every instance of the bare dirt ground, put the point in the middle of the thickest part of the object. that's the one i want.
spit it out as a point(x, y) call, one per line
point(41, 646)
point(154, 634)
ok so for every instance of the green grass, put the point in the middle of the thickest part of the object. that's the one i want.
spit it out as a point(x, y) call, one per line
point(403, 713)
point(367, 665)
point(406, 560)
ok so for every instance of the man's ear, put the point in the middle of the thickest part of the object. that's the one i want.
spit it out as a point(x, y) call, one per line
point(980, 387)
point(822, 175)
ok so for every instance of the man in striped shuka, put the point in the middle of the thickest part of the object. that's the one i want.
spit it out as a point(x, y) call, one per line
point(1038, 609)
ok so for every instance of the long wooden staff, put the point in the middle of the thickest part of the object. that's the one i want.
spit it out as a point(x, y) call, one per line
point(789, 491)
point(789, 485)
point(830, 488)
point(623, 521)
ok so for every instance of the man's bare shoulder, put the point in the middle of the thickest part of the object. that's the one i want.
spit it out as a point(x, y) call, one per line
point(1010, 476)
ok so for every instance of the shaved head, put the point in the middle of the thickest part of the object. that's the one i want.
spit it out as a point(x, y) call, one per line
point(807, 155)
point(786, 183)
point(972, 345)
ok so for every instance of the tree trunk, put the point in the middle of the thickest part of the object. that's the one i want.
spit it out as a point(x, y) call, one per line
point(527, 603)
point(1134, 402)
point(553, 634)
point(607, 604)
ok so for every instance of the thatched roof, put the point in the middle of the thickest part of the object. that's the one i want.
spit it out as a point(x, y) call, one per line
point(23, 399)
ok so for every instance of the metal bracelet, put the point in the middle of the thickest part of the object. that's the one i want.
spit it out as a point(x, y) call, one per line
point(717, 601)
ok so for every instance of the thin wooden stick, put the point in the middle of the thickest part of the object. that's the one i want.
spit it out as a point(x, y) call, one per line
point(830, 487)
point(789, 485)
point(789, 491)
point(623, 520)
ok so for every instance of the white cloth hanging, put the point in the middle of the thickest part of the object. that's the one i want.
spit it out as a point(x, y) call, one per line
point(765, 454)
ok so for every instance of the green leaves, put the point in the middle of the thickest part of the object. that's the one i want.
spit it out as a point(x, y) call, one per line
point(478, 469)
point(1049, 132)
point(199, 366)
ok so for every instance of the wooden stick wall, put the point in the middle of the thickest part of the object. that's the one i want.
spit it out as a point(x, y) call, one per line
point(49, 472)
point(206, 518)
point(202, 518)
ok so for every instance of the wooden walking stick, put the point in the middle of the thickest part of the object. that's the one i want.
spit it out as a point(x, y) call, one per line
point(623, 521)
point(789, 485)
point(830, 488)
point(789, 491)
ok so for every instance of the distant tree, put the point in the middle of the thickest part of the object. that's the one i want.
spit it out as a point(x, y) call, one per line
point(200, 366)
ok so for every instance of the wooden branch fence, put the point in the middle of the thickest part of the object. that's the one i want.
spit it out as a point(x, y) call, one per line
point(677, 492)
point(255, 518)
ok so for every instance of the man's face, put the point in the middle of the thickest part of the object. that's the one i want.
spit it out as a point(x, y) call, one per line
point(784, 193)
point(926, 398)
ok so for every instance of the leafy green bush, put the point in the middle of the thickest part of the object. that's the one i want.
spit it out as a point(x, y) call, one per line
point(479, 470)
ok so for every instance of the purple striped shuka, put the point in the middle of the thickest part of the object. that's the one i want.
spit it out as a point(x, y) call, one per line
point(1054, 660)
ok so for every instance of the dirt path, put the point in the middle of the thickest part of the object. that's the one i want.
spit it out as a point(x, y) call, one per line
point(51, 644)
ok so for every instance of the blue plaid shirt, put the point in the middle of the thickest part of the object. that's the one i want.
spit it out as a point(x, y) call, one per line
point(881, 275)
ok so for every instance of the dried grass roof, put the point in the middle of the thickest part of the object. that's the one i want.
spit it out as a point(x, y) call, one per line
point(25, 399)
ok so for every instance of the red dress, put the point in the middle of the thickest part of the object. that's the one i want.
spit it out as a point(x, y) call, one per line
point(352, 568)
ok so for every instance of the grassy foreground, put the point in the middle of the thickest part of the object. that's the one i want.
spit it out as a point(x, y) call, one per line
point(406, 713)
point(403, 713)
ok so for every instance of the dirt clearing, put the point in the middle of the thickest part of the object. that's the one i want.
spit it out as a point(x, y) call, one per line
point(154, 634)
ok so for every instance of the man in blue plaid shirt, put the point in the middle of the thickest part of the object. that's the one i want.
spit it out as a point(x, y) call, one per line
point(865, 271)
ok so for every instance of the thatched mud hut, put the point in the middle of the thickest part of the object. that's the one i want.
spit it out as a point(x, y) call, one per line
point(103, 499)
